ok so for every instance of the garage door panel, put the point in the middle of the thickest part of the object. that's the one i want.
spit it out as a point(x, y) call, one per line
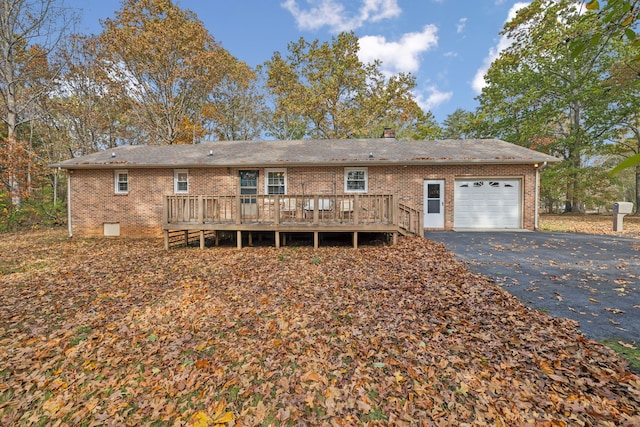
point(487, 203)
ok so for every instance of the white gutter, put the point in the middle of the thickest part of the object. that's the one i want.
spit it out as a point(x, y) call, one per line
point(69, 204)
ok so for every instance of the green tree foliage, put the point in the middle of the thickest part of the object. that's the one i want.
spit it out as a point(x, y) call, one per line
point(462, 124)
point(627, 147)
point(618, 26)
point(544, 96)
point(326, 88)
point(618, 18)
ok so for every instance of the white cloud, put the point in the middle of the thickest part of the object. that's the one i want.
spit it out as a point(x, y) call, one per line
point(431, 98)
point(400, 56)
point(327, 13)
point(377, 10)
point(333, 14)
point(478, 80)
point(461, 24)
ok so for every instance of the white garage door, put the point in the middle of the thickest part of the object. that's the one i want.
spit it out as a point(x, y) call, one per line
point(487, 203)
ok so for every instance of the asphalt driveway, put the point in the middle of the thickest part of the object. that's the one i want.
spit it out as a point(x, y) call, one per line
point(592, 279)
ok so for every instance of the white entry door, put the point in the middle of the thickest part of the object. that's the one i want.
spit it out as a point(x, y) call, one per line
point(434, 204)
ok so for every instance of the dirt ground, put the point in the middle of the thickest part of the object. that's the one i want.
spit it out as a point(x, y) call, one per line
point(591, 224)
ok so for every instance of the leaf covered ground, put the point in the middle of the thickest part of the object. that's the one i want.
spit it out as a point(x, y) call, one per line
point(121, 332)
point(591, 224)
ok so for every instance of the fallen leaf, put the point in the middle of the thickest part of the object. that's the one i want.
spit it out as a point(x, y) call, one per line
point(200, 419)
point(202, 363)
point(626, 345)
point(398, 377)
point(397, 335)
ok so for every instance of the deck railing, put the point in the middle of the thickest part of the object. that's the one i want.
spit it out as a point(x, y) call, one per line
point(410, 220)
point(351, 209)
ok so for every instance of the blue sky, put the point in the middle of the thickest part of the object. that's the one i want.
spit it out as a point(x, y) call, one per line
point(446, 44)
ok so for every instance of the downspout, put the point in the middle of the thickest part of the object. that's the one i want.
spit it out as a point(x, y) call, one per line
point(69, 203)
point(537, 195)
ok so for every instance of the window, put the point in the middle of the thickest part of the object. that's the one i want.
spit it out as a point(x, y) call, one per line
point(249, 185)
point(121, 182)
point(355, 180)
point(276, 181)
point(181, 181)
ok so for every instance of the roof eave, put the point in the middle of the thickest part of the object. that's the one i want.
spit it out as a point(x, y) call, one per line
point(407, 162)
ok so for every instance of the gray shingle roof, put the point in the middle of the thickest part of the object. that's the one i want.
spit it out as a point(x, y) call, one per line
point(310, 152)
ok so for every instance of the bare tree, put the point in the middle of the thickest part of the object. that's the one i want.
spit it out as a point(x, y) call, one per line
point(30, 31)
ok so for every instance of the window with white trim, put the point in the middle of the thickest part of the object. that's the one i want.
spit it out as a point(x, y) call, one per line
point(275, 181)
point(356, 180)
point(121, 182)
point(180, 181)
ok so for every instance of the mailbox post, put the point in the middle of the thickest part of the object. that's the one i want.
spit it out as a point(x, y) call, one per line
point(620, 209)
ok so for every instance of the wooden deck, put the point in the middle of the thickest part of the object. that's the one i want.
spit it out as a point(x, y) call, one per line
point(209, 215)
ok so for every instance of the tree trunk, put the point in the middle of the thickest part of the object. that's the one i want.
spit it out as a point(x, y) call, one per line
point(14, 155)
point(55, 187)
point(575, 160)
point(638, 189)
point(9, 76)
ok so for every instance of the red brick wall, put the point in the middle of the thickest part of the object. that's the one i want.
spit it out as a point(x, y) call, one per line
point(94, 202)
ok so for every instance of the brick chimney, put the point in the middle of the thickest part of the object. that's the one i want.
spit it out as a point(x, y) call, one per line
point(389, 133)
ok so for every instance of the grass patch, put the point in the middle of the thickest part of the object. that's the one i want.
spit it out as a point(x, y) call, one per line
point(7, 268)
point(376, 414)
point(81, 334)
point(628, 352)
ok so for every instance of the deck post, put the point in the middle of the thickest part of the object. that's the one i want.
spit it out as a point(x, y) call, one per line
point(316, 210)
point(239, 239)
point(215, 233)
point(315, 240)
point(166, 240)
point(201, 239)
point(355, 240)
point(276, 210)
point(277, 239)
point(186, 237)
point(165, 209)
point(411, 219)
point(250, 243)
point(395, 238)
point(238, 210)
point(356, 209)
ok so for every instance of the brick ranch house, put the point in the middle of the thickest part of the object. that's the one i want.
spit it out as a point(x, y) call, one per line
point(353, 185)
